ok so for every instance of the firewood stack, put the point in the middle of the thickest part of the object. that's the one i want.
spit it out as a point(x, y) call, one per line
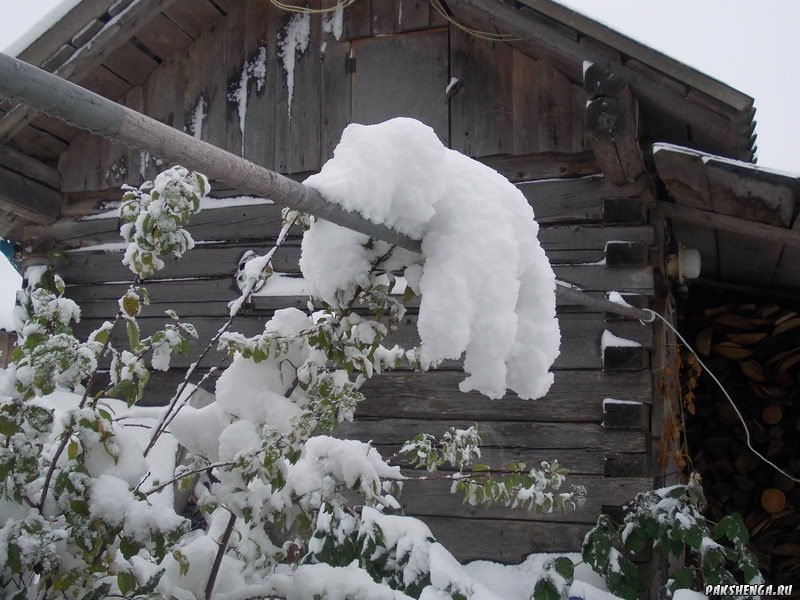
point(754, 349)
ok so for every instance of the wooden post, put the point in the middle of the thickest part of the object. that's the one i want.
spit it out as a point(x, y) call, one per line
point(612, 125)
point(7, 341)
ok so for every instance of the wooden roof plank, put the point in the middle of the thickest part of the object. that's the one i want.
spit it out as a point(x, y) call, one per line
point(114, 34)
point(745, 259)
point(657, 60)
point(162, 37)
point(707, 218)
point(30, 167)
point(40, 204)
point(130, 63)
point(746, 197)
point(685, 178)
point(39, 144)
point(103, 81)
point(64, 30)
point(193, 16)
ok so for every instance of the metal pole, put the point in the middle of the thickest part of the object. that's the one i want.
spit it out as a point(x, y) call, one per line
point(570, 294)
point(81, 108)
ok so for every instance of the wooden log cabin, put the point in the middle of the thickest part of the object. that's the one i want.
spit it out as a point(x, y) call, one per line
point(623, 153)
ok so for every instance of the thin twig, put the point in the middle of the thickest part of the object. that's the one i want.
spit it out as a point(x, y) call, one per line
point(67, 435)
point(174, 407)
point(102, 354)
point(223, 545)
point(186, 474)
point(173, 402)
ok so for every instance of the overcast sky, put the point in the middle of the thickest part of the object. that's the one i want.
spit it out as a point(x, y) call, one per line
point(752, 46)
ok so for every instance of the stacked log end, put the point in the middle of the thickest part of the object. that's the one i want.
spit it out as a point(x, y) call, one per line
point(754, 349)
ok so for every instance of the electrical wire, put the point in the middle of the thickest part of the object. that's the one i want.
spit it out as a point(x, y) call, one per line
point(311, 11)
point(436, 4)
point(724, 391)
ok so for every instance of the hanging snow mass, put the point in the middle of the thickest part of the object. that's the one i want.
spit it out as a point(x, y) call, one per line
point(487, 289)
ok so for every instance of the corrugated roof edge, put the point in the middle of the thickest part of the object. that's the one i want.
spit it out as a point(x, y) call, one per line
point(652, 58)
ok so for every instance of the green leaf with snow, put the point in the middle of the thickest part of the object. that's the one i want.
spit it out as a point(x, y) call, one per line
point(564, 567)
point(546, 590)
point(126, 582)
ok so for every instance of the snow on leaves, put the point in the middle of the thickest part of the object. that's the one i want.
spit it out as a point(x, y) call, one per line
point(670, 521)
point(261, 454)
point(152, 218)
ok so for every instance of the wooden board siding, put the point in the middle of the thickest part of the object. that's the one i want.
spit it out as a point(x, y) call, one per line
point(609, 456)
point(506, 102)
point(481, 110)
point(418, 68)
point(297, 126)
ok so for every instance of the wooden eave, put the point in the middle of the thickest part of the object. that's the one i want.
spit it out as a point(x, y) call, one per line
point(744, 219)
point(648, 56)
point(678, 104)
point(108, 46)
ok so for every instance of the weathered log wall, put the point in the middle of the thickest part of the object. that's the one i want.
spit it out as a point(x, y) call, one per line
point(606, 450)
point(517, 113)
point(384, 65)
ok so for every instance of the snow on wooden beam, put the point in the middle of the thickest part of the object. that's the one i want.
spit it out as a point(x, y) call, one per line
point(113, 34)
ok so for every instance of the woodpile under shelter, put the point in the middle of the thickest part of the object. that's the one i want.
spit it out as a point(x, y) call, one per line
point(625, 155)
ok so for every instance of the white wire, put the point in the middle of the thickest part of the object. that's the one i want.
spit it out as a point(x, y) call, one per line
point(724, 391)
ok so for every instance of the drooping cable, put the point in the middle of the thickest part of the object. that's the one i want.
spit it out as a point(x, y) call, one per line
point(727, 395)
point(311, 11)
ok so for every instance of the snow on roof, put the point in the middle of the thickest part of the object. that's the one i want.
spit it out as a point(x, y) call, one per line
point(41, 26)
point(713, 158)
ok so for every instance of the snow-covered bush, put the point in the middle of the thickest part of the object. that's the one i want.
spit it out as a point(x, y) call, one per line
point(86, 509)
point(669, 520)
point(152, 219)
